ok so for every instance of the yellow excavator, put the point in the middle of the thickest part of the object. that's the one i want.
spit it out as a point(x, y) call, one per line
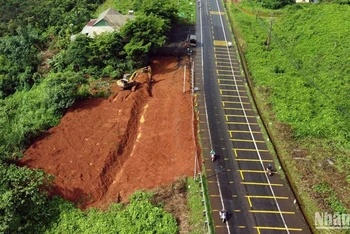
point(129, 81)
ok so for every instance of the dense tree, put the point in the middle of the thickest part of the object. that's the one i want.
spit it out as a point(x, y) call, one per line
point(23, 199)
point(18, 60)
point(165, 9)
point(146, 33)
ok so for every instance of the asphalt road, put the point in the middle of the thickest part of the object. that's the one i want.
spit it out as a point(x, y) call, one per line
point(237, 181)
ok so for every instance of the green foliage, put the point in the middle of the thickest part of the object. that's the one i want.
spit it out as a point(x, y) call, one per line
point(146, 33)
point(18, 60)
point(23, 201)
point(139, 216)
point(62, 89)
point(306, 67)
point(196, 206)
point(330, 197)
point(165, 9)
point(24, 115)
point(275, 4)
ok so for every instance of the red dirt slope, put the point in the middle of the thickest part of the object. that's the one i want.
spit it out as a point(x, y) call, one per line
point(104, 150)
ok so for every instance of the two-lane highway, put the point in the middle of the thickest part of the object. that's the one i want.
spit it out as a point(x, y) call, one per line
point(237, 179)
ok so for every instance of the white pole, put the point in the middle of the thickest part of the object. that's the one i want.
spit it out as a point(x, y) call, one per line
point(184, 88)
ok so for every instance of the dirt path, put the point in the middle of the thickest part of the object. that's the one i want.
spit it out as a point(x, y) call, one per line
point(104, 150)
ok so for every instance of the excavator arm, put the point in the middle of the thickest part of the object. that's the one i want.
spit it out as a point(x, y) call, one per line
point(130, 81)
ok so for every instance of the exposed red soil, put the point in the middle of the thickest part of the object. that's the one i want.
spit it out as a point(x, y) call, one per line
point(103, 150)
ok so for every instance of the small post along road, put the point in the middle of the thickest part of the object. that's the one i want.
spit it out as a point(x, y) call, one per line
point(237, 179)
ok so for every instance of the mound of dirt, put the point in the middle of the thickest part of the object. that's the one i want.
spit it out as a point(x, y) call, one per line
point(105, 149)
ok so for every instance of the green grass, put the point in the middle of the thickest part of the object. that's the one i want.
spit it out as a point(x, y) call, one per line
point(194, 199)
point(288, 99)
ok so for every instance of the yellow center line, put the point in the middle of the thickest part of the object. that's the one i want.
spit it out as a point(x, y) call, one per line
point(278, 228)
point(271, 211)
point(262, 184)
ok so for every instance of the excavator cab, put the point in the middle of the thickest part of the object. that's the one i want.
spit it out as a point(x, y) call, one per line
point(129, 81)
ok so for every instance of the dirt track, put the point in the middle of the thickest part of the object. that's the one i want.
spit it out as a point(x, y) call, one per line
point(104, 150)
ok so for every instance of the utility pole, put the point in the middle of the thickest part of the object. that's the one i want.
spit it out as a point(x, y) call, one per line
point(268, 41)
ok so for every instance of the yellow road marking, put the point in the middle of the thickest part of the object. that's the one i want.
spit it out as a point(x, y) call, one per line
point(234, 150)
point(242, 116)
point(252, 150)
point(241, 131)
point(211, 182)
point(219, 71)
point(242, 123)
point(234, 195)
point(278, 228)
point(246, 140)
point(267, 197)
point(271, 211)
point(263, 184)
point(224, 62)
point(235, 96)
point(241, 226)
point(234, 108)
point(232, 102)
point(231, 182)
point(220, 43)
point(250, 202)
point(223, 66)
point(219, 80)
point(214, 195)
point(242, 175)
point(217, 13)
point(233, 85)
point(252, 171)
point(253, 160)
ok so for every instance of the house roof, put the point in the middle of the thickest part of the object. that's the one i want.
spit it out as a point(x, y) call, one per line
point(115, 19)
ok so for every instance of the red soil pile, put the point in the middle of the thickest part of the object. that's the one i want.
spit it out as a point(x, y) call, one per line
point(103, 150)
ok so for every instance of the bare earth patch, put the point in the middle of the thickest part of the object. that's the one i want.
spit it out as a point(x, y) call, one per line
point(105, 149)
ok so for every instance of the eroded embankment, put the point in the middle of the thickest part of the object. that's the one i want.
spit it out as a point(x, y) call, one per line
point(103, 150)
point(90, 145)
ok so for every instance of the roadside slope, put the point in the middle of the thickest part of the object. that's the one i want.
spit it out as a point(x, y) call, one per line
point(104, 150)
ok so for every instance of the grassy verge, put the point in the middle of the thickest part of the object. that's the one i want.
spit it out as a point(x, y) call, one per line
point(194, 200)
point(318, 182)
